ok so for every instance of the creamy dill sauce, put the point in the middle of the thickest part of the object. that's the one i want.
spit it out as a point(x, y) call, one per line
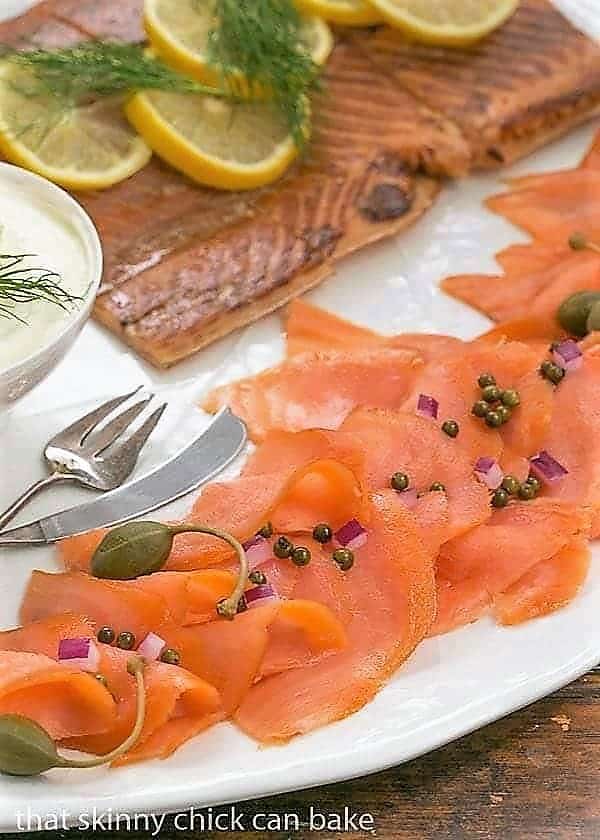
point(29, 225)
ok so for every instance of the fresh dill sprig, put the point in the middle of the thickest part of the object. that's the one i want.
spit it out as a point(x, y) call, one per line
point(261, 40)
point(100, 68)
point(20, 283)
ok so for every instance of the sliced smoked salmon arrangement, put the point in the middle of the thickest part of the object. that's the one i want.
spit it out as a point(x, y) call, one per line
point(186, 263)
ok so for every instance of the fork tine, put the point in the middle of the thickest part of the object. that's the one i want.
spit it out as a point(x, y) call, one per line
point(97, 442)
point(76, 433)
point(133, 445)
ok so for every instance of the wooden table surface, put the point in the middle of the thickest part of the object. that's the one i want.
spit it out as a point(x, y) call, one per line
point(533, 775)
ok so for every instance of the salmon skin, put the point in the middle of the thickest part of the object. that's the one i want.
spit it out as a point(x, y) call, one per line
point(529, 82)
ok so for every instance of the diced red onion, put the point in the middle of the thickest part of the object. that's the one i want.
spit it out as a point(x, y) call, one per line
point(409, 497)
point(258, 550)
point(152, 647)
point(427, 406)
point(79, 653)
point(489, 471)
point(258, 596)
point(352, 535)
point(568, 355)
point(547, 468)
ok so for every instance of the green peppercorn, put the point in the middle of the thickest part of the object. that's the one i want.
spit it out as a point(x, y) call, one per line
point(500, 498)
point(493, 419)
point(343, 558)
point(504, 412)
point(552, 372)
point(485, 380)
point(510, 398)
point(491, 393)
point(437, 487)
point(511, 484)
point(535, 483)
point(301, 556)
point(527, 492)
point(126, 640)
point(257, 577)
point(106, 635)
point(102, 680)
point(170, 657)
point(400, 482)
point(283, 548)
point(322, 533)
point(480, 408)
point(266, 531)
point(450, 428)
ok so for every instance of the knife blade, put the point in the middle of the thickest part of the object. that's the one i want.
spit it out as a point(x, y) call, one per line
point(202, 460)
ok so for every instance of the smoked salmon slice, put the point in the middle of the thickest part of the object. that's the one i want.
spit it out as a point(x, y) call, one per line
point(44, 636)
point(318, 390)
point(548, 586)
point(66, 703)
point(475, 568)
point(391, 592)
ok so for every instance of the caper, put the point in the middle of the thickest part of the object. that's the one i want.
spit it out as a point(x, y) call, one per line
point(132, 550)
point(322, 533)
point(527, 492)
point(511, 484)
point(493, 419)
point(574, 312)
point(126, 640)
point(485, 380)
point(301, 556)
point(593, 321)
point(450, 428)
point(491, 393)
point(437, 487)
point(106, 635)
point(283, 548)
point(266, 531)
point(480, 408)
point(552, 372)
point(510, 398)
point(500, 498)
point(504, 412)
point(400, 482)
point(344, 558)
point(535, 483)
point(170, 657)
point(257, 577)
point(26, 749)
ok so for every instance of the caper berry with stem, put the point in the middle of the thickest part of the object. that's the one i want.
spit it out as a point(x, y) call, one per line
point(170, 657)
point(593, 321)
point(301, 556)
point(400, 482)
point(480, 408)
point(283, 548)
point(574, 311)
point(26, 749)
point(500, 498)
point(450, 428)
point(491, 393)
point(257, 577)
point(485, 380)
point(106, 635)
point(511, 484)
point(322, 533)
point(344, 558)
point(126, 640)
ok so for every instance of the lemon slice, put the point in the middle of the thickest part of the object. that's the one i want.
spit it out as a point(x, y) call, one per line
point(178, 31)
point(223, 144)
point(348, 12)
point(89, 147)
point(446, 22)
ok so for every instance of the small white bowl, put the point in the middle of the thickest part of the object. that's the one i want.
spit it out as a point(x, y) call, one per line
point(17, 379)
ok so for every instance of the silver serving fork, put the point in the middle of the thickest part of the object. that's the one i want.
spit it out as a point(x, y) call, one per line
point(94, 455)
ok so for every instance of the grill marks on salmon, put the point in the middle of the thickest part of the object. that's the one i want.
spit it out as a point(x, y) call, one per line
point(530, 81)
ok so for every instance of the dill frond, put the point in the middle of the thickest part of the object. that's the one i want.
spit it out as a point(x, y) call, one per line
point(20, 283)
point(261, 40)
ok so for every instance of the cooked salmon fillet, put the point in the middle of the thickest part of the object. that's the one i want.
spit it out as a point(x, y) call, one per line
point(530, 81)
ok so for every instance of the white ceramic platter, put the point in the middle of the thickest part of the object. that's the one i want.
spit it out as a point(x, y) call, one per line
point(452, 685)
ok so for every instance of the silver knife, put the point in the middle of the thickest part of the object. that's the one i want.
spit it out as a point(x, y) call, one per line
point(202, 460)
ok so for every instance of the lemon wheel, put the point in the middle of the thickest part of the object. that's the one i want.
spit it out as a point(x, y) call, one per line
point(346, 12)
